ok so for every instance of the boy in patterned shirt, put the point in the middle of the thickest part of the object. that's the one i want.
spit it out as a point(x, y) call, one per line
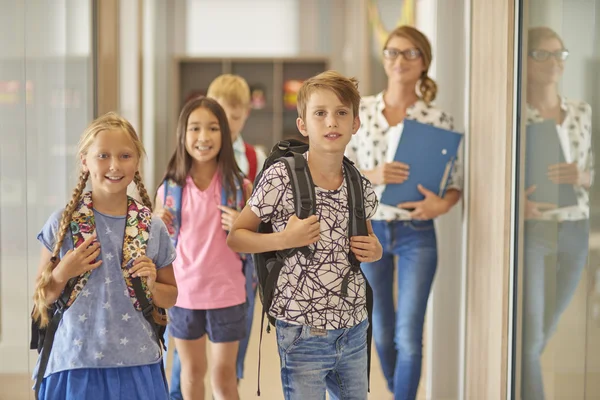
point(321, 333)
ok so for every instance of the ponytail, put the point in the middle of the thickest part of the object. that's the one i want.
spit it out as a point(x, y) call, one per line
point(428, 88)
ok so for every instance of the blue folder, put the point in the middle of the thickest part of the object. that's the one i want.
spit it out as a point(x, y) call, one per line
point(430, 153)
point(543, 148)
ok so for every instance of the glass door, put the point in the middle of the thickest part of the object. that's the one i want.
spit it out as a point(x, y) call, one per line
point(558, 344)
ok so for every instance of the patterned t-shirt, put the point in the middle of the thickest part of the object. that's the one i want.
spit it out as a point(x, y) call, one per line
point(308, 291)
point(102, 328)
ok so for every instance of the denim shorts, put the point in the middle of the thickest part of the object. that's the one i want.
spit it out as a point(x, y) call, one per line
point(222, 324)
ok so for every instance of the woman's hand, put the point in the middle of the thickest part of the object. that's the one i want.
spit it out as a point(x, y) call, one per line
point(394, 172)
point(80, 260)
point(144, 267)
point(534, 209)
point(428, 208)
point(564, 173)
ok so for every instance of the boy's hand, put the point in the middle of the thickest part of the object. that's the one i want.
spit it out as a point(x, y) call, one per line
point(145, 267)
point(366, 248)
point(228, 217)
point(302, 232)
point(76, 262)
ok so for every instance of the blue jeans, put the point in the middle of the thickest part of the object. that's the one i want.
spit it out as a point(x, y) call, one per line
point(555, 256)
point(398, 330)
point(314, 362)
point(251, 285)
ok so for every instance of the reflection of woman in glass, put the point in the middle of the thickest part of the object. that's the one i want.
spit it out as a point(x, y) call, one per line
point(556, 239)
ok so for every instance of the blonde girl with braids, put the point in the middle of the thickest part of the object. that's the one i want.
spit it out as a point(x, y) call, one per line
point(407, 230)
point(103, 240)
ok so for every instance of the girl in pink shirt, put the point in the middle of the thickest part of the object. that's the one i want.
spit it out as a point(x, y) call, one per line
point(211, 282)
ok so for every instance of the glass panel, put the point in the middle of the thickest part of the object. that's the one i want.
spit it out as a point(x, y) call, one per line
point(560, 345)
point(46, 100)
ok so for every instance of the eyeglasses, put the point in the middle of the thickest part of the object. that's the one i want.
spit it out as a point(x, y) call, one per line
point(409, 54)
point(543, 55)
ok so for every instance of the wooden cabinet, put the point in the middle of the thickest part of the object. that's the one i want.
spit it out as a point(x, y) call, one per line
point(270, 120)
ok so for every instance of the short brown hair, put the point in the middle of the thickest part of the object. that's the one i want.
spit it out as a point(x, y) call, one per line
point(346, 89)
point(232, 89)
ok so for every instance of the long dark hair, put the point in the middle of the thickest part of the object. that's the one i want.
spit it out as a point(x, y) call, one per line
point(181, 162)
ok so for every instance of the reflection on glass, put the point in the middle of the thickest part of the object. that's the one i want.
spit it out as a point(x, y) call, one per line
point(46, 99)
point(559, 173)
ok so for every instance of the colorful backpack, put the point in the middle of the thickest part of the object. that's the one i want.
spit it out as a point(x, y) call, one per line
point(135, 242)
point(172, 203)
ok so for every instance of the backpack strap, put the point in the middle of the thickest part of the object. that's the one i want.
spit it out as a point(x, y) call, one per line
point(46, 339)
point(252, 161)
point(172, 203)
point(357, 223)
point(148, 311)
point(357, 226)
point(237, 201)
point(303, 190)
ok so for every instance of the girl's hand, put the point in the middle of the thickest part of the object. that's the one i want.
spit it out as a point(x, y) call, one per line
point(428, 208)
point(80, 260)
point(366, 248)
point(228, 217)
point(144, 267)
point(165, 215)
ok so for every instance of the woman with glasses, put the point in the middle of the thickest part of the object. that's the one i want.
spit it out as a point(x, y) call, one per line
point(556, 239)
point(408, 235)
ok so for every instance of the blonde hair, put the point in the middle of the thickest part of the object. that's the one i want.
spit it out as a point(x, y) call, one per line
point(232, 89)
point(535, 36)
point(346, 90)
point(427, 86)
point(109, 121)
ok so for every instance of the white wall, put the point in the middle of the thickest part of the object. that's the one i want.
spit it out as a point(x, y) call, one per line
point(443, 21)
point(242, 27)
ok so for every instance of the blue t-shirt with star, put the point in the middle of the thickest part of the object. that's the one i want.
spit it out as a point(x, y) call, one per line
point(102, 328)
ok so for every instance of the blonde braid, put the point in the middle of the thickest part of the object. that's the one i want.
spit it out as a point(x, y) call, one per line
point(137, 178)
point(158, 317)
point(39, 297)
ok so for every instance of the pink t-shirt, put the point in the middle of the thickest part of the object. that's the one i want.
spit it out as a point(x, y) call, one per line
point(208, 273)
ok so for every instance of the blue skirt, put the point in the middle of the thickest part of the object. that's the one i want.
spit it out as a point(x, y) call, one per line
point(144, 382)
